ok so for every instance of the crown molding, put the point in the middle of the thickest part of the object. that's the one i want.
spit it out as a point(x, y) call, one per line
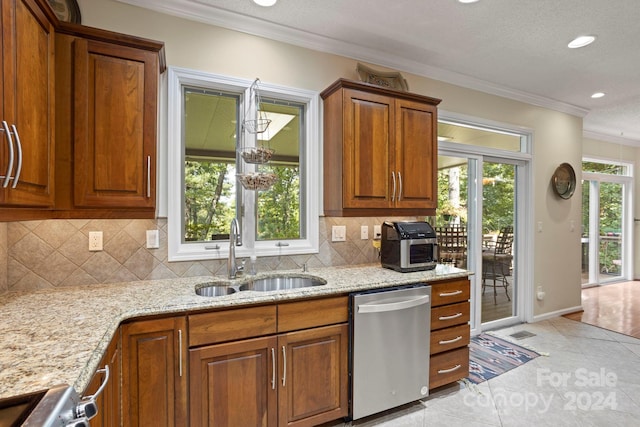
point(204, 13)
point(599, 136)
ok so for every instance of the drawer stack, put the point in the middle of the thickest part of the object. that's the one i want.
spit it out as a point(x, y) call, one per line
point(450, 332)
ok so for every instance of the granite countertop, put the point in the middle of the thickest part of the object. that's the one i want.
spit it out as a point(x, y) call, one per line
point(58, 336)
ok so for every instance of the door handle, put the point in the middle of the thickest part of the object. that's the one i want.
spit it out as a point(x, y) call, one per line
point(273, 368)
point(148, 177)
point(393, 195)
point(16, 176)
point(7, 176)
point(284, 366)
point(400, 186)
point(393, 306)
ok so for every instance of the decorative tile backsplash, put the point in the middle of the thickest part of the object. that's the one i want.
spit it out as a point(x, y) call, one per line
point(53, 253)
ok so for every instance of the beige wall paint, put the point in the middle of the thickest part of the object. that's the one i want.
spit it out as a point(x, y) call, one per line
point(555, 258)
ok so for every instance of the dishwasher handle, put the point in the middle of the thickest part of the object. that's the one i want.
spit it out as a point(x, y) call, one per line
point(393, 306)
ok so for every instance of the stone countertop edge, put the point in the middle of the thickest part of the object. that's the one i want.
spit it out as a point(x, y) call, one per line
point(58, 336)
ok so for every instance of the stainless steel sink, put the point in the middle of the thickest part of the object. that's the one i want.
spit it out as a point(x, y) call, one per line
point(262, 284)
point(214, 290)
point(280, 283)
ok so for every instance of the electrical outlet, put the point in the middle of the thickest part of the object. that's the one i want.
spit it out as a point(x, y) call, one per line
point(153, 239)
point(364, 232)
point(339, 233)
point(95, 241)
point(377, 231)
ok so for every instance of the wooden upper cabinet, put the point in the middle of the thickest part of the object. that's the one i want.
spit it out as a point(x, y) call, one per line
point(115, 112)
point(27, 105)
point(380, 151)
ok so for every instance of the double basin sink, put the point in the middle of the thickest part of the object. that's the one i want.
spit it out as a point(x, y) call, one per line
point(261, 284)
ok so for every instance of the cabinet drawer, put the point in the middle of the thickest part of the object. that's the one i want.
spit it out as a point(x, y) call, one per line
point(450, 338)
point(450, 292)
point(450, 315)
point(309, 314)
point(228, 325)
point(445, 368)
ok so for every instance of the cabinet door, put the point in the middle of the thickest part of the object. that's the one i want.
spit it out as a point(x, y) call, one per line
point(27, 103)
point(367, 180)
point(416, 155)
point(115, 109)
point(109, 401)
point(234, 384)
point(313, 376)
point(154, 377)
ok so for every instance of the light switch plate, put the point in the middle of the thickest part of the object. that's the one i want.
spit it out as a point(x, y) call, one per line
point(153, 239)
point(377, 231)
point(339, 233)
point(364, 232)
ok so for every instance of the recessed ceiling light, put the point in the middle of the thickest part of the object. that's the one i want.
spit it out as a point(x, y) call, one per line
point(265, 3)
point(468, 1)
point(581, 41)
point(597, 95)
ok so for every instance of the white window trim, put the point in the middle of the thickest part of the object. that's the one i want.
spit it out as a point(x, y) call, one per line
point(179, 251)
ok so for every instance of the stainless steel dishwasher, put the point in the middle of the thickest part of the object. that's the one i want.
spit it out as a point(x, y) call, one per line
point(390, 348)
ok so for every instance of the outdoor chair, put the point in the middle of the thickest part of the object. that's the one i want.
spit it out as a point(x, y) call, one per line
point(496, 263)
point(452, 245)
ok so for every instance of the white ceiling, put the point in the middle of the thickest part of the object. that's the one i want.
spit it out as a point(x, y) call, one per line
point(512, 48)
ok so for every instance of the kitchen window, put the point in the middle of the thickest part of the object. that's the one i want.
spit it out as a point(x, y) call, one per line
point(208, 145)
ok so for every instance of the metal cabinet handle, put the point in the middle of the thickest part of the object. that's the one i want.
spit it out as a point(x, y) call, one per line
point(450, 294)
point(16, 176)
point(7, 176)
point(148, 176)
point(453, 316)
point(87, 408)
point(446, 371)
point(400, 185)
point(456, 339)
point(98, 392)
point(180, 349)
point(273, 368)
point(393, 195)
point(284, 366)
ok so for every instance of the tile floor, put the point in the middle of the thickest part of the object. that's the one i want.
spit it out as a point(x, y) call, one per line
point(591, 377)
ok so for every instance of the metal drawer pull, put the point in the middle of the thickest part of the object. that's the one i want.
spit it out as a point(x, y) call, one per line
point(458, 338)
point(7, 176)
point(393, 195)
point(400, 182)
point(16, 176)
point(450, 294)
point(453, 316)
point(284, 366)
point(273, 368)
point(446, 371)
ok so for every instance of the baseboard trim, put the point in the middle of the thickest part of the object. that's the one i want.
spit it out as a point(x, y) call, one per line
point(558, 313)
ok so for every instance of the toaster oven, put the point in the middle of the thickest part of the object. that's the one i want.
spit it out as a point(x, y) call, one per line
point(408, 246)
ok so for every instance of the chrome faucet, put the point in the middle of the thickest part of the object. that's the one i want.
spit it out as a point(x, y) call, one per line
point(235, 239)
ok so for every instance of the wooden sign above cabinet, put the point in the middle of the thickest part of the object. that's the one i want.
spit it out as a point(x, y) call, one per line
point(380, 151)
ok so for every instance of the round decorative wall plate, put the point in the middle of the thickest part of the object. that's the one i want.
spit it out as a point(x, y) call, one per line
point(564, 181)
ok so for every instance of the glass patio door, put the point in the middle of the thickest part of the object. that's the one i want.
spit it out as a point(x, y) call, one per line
point(606, 194)
point(477, 195)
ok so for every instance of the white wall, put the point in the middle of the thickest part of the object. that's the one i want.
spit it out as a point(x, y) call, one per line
point(555, 261)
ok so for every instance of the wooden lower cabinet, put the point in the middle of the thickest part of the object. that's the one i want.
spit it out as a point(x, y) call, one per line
point(154, 373)
point(450, 332)
point(293, 379)
point(108, 401)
